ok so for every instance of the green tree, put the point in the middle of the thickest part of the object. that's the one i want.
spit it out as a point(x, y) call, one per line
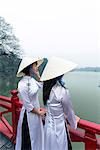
point(10, 52)
point(8, 42)
point(10, 49)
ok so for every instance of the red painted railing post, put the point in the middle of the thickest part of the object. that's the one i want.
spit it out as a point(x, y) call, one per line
point(90, 141)
point(14, 99)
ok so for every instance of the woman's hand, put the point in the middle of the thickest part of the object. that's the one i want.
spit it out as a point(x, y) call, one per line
point(37, 75)
point(39, 111)
point(77, 118)
point(42, 111)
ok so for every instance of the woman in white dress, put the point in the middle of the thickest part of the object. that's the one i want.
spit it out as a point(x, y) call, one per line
point(30, 134)
point(59, 106)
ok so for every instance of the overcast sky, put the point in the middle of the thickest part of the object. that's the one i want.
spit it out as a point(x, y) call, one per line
point(66, 28)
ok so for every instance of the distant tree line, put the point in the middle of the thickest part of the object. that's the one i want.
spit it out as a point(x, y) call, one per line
point(93, 69)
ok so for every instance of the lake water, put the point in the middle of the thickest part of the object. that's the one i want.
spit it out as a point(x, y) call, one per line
point(85, 93)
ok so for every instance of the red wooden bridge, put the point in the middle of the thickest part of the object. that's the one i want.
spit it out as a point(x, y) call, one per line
point(89, 133)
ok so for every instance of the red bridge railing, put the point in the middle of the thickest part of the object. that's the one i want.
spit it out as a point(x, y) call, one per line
point(89, 133)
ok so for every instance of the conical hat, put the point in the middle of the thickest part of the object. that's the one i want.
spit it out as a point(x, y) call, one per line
point(56, 67)
point(26, 61)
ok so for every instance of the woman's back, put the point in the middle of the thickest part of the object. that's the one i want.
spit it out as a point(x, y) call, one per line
point(58, 106)
point(54, 104)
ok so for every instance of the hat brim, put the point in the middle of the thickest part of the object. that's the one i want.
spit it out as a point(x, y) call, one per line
point(56, 67)
point(26, 62)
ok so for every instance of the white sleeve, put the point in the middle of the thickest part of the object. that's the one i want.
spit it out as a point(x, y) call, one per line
point(26, 100)
point(27, 90)
point(68, 109)
point(32, 89)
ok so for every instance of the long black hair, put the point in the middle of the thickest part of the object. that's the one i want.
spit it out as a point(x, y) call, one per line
point(47, 86)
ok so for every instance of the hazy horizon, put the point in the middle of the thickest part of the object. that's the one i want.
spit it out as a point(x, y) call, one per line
point(69, 29)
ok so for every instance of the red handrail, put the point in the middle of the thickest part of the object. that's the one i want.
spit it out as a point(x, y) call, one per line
point(5, 99)
point(87, 135)
point(90, 126)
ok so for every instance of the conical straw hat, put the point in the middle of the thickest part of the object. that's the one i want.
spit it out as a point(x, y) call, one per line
point(26, 61)
point(55, 67)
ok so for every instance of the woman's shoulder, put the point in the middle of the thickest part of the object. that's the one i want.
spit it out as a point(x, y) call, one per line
point(65, 90)
point(33, 80)
point(25, 81)
point(58, 90)
point(28, 79)
point(58, 87)
point(62, 90)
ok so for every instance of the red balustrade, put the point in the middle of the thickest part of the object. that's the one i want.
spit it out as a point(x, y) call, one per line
point(13, 105)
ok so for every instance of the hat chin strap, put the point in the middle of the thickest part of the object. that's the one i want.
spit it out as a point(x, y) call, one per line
point(61, 82)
